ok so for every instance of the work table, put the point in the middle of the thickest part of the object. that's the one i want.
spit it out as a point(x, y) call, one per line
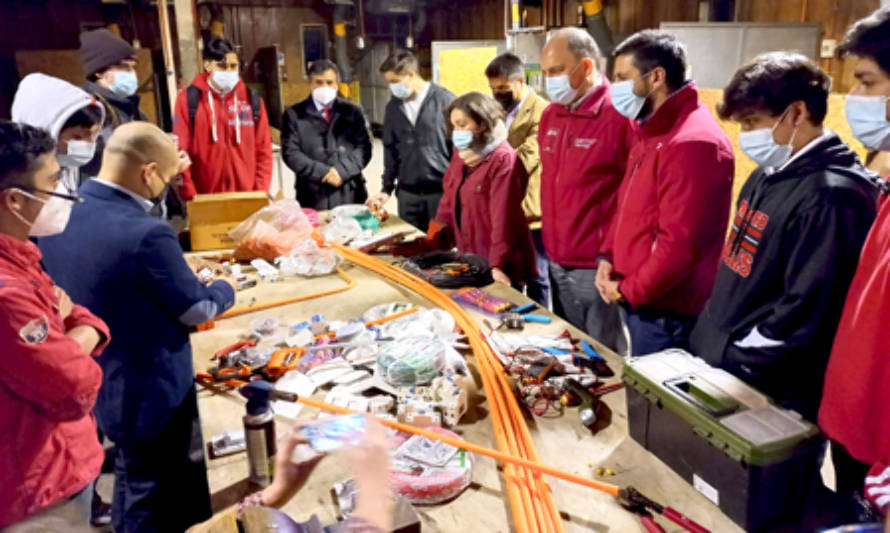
point(561, 440)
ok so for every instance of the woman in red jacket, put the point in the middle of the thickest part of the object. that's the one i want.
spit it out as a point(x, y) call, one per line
point(483, 190)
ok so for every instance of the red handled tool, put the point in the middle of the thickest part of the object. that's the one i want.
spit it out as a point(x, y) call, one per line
point(632, 500)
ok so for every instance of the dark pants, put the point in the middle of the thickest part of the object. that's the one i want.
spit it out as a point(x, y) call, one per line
point(653, 331)
point(538, 289)
point(418, 209)
point(160, 484)
point(576, 299)
point(849, 473)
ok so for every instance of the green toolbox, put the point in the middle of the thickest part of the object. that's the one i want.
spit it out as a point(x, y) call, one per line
point(749, 457)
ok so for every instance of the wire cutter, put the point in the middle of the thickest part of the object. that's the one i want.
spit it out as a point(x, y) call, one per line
point(632, 500)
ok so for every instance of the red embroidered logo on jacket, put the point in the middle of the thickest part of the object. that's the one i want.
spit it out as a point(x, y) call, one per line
point(753, 224)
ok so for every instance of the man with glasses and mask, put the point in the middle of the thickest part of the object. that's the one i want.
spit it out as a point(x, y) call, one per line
point(855, 409)
point(223, 126)
point(659, 260)
point(584, 144)
point(802, 217)
point(127, 266)
point(49, 453)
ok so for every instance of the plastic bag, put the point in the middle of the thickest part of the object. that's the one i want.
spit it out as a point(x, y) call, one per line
point(307, 258)
point(341, 230)
point(271, 232)
point(411, 361)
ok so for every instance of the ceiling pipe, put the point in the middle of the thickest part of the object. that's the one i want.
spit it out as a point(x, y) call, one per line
point(340, 46)
point(595, 21)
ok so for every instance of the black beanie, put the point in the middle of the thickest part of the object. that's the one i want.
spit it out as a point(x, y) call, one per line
point(100, 49)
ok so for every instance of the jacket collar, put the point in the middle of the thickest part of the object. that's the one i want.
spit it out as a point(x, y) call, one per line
point(591, 105)
point(109, 194)
point(24, 254)
point(682, 101)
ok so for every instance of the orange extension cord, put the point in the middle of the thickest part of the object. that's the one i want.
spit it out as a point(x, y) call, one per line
point(531, 500)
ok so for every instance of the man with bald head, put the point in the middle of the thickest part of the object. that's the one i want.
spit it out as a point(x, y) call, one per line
point(127, 267)
point(584, 145)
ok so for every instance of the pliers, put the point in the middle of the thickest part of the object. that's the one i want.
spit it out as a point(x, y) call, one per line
point(632, 500)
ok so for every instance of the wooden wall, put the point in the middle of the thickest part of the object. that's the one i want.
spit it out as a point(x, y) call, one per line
point(254, 26)
point(834, 15)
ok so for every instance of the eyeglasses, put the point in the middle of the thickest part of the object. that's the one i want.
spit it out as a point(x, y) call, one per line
point(70, 197)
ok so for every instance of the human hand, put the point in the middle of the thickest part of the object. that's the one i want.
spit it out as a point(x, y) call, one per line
point(290, 476)
point(610, 292)
point(470, 157)
point(369, 461)
point(184, 162)
point(603, 276)
point(333, 178)
point(377, 199)
point(65, 303)
point(499, 276)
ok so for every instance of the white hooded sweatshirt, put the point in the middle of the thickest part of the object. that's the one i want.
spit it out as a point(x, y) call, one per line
point(46, 102)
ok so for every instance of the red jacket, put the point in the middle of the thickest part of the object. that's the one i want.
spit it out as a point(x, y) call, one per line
point(855, 408)
point(492, 222)
point(48, 445)
point(224, 164)
point(673, 208)
point(583, 157)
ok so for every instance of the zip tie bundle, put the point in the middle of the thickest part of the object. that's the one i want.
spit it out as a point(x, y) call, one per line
point(531, 500)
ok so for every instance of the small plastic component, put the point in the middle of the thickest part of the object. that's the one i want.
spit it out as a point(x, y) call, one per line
point(227, 443)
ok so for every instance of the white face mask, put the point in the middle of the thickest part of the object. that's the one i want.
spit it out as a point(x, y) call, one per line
point(559, 88)
point(53, 216)
point(867, 116)
point(760, 146)
point(226, 81)
point(324, 95)
point(79, 154)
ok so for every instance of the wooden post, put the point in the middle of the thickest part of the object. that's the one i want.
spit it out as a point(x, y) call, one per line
point(187, 36)
point(167, 45)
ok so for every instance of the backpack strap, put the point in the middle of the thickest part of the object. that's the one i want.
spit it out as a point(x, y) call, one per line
point(193, 94)
point(255, 105)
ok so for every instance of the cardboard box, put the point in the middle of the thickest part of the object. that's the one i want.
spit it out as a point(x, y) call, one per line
point(211, 216)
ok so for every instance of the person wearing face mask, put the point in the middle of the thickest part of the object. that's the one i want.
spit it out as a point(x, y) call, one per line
point(523, 108)
point(584, 143)
point(325, 141)
point(416, 149)
point(223, 126)
point(127, 266)
point(109, 64)
point(801, 219)
point(48, 448)
point(854, 412)
point(483, 190)
point(661, 255)
point(71, 115)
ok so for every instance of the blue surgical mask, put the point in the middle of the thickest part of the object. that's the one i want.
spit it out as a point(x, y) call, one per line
point(625, 101)
point(124, 83)
point(559, 88)
point(867, 116)
point(399, 90)
point(462, 139)
point(225, 80)
point(760, 146)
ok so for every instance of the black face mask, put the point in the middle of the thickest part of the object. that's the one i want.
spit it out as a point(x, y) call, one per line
point(507, 100)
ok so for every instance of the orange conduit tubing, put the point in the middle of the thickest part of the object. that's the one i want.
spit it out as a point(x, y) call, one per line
point(510, 428)
point(475, 448)
point(350, 283)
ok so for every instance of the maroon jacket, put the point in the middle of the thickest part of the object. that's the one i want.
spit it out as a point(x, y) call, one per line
point(673, 208)
point(492, 223)
point(583, 157)
point(48, 445)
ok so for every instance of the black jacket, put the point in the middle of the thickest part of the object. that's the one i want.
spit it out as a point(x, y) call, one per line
point(416, 156)
point(311, 146)
point(118, 110)
point(785, 270)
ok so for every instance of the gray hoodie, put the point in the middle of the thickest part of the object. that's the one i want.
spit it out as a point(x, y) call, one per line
point(46, 102)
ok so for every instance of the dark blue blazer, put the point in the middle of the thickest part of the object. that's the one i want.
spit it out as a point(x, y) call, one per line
point(127, 267)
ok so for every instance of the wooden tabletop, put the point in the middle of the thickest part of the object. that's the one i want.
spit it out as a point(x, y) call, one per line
point(561, 440)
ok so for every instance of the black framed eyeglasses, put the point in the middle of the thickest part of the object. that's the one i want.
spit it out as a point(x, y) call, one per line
point(73, 197)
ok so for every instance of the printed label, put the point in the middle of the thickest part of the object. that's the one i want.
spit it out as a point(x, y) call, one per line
point(707, 490)
point(35, 331)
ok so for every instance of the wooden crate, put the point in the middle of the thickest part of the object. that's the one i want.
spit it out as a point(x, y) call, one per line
point(211, 216)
